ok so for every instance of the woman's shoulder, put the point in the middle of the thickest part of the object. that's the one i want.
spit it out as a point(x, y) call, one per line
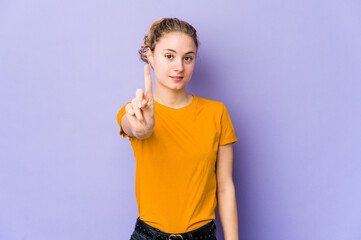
point(209, 103)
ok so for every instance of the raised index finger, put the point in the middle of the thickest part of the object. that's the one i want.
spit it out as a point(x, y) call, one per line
point(147, 79)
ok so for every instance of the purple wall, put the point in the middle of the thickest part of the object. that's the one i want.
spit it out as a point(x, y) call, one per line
point(289, 73)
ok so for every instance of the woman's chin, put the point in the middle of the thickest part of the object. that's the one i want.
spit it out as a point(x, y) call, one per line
point(175, 86)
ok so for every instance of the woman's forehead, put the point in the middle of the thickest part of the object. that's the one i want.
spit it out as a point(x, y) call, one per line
point(179, 42)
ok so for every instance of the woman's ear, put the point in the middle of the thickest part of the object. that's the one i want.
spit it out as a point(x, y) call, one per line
point(150, 57)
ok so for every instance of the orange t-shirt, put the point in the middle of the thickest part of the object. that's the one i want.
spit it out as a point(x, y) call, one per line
point(175, 180)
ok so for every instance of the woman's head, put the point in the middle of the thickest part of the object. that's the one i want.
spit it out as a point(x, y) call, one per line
point(160, 28)
point(171, 49)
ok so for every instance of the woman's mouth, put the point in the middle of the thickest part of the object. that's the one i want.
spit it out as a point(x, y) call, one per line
point(177, 78)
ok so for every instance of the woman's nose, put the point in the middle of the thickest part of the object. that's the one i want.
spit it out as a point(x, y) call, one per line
point(178, 65)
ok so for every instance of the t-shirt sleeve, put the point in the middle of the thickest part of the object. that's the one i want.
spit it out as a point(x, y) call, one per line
point(119, 117)
point(227, 131)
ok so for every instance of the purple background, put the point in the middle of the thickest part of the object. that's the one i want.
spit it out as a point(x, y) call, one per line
point(289, 73)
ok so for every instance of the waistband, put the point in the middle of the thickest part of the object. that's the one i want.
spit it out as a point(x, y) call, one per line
point(208, 231)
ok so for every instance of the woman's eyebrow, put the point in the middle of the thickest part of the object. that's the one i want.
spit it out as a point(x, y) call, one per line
point(176, 52)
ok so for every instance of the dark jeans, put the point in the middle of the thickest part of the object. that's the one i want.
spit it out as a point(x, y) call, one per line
point(143, 231)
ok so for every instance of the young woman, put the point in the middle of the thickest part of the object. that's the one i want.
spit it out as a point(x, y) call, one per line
point(182, 144)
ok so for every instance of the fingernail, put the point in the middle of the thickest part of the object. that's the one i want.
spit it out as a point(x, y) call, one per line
point(139, 104)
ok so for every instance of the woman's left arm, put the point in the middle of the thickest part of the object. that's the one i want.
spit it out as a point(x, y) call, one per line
point(226, 194)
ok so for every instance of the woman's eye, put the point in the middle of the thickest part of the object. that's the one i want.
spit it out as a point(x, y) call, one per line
point(188, 59)
point(168, 56)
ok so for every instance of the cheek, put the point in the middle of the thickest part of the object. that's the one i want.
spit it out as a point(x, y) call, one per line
point(161, 69)
point(190, 68)
point(161, 63)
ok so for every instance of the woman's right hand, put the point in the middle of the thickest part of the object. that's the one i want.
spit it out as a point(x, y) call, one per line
point(140, 112)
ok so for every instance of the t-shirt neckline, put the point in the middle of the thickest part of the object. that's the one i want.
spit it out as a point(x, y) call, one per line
point(177, 109)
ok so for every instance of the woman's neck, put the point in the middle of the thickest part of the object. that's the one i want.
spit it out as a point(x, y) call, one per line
point(172, 98)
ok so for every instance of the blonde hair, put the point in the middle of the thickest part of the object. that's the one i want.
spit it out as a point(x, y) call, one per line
point(161, 27)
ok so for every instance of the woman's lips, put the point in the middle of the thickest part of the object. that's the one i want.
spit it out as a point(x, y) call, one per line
point(177, 78)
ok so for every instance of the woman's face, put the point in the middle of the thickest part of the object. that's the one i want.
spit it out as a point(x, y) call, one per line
point(174, 56)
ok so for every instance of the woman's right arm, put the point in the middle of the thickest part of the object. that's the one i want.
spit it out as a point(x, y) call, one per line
point(130, 132)
point(138, 120)
point(126, 126)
